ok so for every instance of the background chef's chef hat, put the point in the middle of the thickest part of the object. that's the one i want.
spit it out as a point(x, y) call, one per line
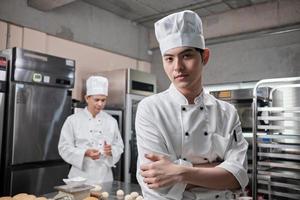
point(96, 85)
point(178, 30)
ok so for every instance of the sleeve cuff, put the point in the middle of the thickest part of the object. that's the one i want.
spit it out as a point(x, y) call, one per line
point(238, 172)
point(80, 155)
point(109, 161)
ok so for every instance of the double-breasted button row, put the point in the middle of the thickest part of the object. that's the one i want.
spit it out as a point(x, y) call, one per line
point(95, 131)
point(184, 109)
point(91, 119)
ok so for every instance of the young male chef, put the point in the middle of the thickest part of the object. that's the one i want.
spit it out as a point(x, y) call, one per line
point(190, 144)
point(90, 140)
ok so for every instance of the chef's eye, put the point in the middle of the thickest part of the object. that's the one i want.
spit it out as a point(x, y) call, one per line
point(168, 59)
point(187, 55)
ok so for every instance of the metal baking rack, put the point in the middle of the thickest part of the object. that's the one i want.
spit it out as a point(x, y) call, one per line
point(276, 142)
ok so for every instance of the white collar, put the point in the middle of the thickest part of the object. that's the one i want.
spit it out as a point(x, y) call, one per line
point(203, 98)
point(89, 114)
point(181, 99)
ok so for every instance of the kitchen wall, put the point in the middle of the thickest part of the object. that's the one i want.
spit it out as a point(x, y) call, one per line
point(247, 44)
point(88, 59)
point(272, 56)
point(89, 25)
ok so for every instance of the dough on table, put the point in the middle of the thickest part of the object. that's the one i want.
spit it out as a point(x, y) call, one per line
point(120, 193)
point(20, 196)
point(41, 198)
point(140, 198)
point(134, 195)
point(30, 197)
point(97, 188)
point(6, 198)
point(104, 195)
point(90, 198)
point(128, 197)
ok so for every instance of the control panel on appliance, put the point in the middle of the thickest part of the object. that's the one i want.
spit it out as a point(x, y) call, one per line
point(3, 69)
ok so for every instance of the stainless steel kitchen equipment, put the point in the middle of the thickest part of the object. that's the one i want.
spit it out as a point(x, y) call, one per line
point(127, 87)
point(38, 102)
point(3, 77)
point(276, 144)
point(242, 101)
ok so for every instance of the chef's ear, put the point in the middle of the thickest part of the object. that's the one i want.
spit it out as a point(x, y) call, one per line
point(205, 56)
point(86, 98)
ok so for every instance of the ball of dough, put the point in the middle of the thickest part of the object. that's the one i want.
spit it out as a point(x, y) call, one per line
point(128, 197)
point(30, 197)
point(97, 188)
point(140, 198)
point(90, 198)
point(105, 195)
point(41, 198)
point(134, 195)
point(120, 193)
point(20, 196)
point(6, 198)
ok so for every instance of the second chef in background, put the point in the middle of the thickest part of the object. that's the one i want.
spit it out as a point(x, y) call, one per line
point(90, 140)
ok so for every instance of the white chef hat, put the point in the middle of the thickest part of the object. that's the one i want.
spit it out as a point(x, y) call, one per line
point(178, 30)
point(96, 85)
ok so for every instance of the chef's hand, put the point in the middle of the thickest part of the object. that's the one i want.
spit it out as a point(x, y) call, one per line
point(92, 153)
point(160, 172)
point(107, 149)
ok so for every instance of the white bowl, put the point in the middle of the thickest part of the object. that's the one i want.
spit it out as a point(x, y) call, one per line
point(75, 182)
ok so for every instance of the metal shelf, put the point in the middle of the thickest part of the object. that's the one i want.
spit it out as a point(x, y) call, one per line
point(279, 109)
point(277, 172)
point(279, 118)
point(276, 143)
point(280, 164)
point(278, 146)
point(280, 184)
point(280, 136)
point(276, 127)
point(281, 194)
point(280, 155)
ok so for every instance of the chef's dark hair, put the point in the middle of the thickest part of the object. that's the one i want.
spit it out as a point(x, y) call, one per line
point(201, 52)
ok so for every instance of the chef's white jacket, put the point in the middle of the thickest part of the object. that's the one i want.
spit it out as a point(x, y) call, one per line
point(190, 134)
point(81, 131)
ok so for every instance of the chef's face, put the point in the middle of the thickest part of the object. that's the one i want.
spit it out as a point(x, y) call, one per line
point(96, 103)
point(184, 65)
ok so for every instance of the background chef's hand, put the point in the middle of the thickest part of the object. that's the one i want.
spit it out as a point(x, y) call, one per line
point(92, 153)
point(161, 172)
point(107, 149)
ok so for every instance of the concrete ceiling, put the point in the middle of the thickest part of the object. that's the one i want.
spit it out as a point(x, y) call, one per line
point(146, 12)
point(46, 5)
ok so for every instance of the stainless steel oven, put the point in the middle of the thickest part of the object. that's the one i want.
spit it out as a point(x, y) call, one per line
point(242, 101)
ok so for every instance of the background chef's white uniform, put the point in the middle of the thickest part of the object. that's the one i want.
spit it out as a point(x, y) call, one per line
point(197, 133)
point(80, 132)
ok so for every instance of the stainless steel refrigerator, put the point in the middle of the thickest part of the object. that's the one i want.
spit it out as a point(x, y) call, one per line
point(38, 100)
